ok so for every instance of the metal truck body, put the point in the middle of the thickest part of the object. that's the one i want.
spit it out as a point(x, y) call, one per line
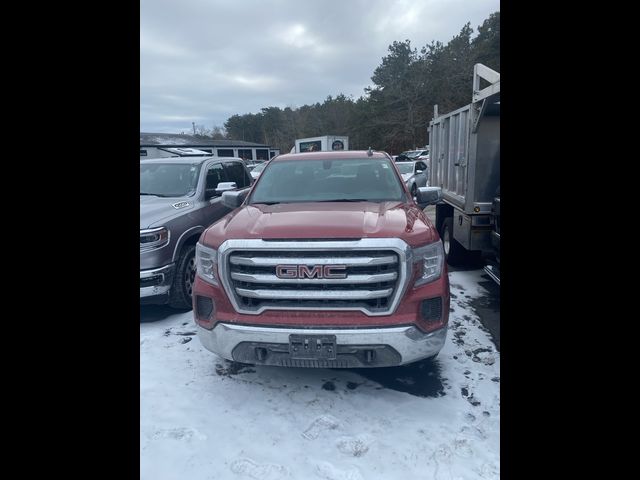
point(465, 163)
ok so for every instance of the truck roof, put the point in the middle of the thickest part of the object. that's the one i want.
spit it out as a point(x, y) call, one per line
point(329, 155)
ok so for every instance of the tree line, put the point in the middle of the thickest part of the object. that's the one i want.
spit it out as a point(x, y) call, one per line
point(394, 113)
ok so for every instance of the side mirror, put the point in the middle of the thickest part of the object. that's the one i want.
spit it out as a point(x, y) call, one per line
point(233, 199)
point(225, 187)
point(428, 196)
point(216, 192)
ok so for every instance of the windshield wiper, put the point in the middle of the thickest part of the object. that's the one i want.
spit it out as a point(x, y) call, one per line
point(265, 203)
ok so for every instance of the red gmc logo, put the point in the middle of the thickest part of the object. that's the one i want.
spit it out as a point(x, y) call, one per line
point(317, 271)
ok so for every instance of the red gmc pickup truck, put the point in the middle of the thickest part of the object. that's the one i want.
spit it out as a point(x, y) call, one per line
point(328, 262)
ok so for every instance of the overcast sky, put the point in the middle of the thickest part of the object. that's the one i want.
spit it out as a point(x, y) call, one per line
point(203, 61)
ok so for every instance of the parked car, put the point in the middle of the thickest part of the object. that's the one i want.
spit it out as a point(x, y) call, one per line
point(257, 170)
point(412, 155)
point(414, 174)
point(179, 198)
point(327, 262)
point(251, 164)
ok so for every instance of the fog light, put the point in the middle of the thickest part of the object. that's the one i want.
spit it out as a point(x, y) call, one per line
point(204, 311)
point(431, 309)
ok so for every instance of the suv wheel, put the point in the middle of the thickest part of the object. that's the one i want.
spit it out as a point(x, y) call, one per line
point(183, 279)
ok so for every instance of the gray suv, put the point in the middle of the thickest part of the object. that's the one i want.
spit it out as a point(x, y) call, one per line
point(179, 199)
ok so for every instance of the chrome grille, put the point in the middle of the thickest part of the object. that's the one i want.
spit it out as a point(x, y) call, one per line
point(373, 283)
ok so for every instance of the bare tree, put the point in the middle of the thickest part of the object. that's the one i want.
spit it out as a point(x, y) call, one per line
point(201, 131)
point(218, 133)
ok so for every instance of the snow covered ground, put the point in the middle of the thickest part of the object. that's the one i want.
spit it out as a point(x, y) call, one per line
point(202, 417)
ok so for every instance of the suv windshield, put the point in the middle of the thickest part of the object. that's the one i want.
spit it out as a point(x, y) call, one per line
point(168, 179)
point(367, 179)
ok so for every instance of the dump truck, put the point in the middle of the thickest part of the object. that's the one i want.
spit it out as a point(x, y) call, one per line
point(465, 163)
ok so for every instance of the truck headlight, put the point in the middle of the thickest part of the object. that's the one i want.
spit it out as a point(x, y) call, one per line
point(207, 263)
point(429, 260)
point(154, 238)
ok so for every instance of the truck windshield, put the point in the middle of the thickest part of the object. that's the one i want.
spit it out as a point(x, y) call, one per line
point(339, 180)
point(168, 179)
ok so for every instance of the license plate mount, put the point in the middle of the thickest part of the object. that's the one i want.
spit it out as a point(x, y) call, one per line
point(312, 347)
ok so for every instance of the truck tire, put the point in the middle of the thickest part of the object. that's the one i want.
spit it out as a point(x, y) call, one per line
point(454, 253)
point(183, 279)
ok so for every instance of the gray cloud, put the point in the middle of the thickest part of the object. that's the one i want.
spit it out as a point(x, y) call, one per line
point(205, 60)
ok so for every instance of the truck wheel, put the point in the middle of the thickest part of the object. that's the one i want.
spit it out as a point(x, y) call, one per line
point(453, 251)
point(183, 279)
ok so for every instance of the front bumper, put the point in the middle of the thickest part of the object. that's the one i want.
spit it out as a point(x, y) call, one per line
point(156, 282)
point(270, 346)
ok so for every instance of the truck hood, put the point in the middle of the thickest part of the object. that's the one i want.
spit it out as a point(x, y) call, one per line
point(154, 210)
point(325, 221)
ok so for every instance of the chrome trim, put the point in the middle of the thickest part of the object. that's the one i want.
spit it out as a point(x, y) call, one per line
point(147, 231)
point(397, 245)
point(411, 343)
point(269, 278)
point(315, 294)
point(165, 272)
point(348, 261)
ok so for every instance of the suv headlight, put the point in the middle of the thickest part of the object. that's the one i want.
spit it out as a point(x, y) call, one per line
point(430, 259)
point(207, 263)
point(154, 238)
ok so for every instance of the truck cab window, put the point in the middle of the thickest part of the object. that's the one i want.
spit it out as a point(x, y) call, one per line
point(237, 173)
point(215, 175)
